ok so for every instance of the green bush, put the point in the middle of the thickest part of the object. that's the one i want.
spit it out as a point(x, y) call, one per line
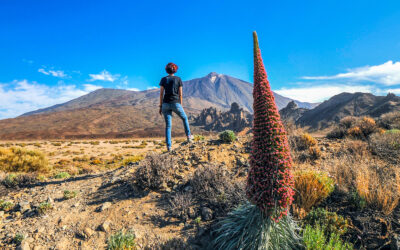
point(357, 200)
point(62, 175)
point(6, 205)
point(18, 238)
point(69, 194)
point(121, 241)
point(331, 222)
point(44, 207)
point(314, 239)
point(392, 131)
point(10, 180)
point(228, 136)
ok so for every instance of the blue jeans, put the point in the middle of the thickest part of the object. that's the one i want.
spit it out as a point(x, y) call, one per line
point(167, 109)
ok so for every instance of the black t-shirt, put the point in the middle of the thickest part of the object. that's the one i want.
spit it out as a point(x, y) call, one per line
point(171, 86)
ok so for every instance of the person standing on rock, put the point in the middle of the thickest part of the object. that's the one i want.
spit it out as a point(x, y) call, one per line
point(171, 101)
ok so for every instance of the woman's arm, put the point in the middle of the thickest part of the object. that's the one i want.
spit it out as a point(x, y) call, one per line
point(180, 94)
point(161, 97)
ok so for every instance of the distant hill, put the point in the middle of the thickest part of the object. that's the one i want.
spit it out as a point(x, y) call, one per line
point(345, 104)
point(119, 113)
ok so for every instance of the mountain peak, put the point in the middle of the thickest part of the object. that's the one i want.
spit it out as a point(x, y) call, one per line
point(213, 76)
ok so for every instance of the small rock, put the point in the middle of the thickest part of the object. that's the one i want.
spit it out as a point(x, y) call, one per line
point(75, 205)
point(104, 206)
point(23, 246)
point(50, 200)
point(191, 213)
point(206, 213)
point(188, 189)
point(88, 232)
point(24, 206)
point(1, 214)
point(105, 226)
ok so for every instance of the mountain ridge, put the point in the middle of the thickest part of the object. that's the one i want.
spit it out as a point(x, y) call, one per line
point(348, 104)
point(217, 89)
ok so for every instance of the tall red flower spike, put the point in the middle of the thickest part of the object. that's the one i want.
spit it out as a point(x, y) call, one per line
point(269, 183)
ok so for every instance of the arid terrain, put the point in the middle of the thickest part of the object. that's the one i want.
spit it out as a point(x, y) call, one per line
point(78, 194)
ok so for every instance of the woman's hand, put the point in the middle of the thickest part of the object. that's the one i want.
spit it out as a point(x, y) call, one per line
point(160, 111)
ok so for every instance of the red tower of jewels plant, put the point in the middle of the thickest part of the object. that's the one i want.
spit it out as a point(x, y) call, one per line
point(263, 223)
point(270, 182)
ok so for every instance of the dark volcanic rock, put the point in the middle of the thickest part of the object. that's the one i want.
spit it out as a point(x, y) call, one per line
point(235, 119)
point(291, 113)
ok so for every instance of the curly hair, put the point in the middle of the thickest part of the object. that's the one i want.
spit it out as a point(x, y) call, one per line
point(171, 68)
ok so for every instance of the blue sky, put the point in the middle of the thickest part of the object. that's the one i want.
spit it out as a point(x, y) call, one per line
point(54, 51)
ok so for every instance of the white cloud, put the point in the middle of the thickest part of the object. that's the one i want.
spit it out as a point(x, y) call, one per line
point(387, 73)
point(322, 92)
point(152, 87)
point(19, 97)
point(55, 73)
point(91, 87)
point(133, 89)
point(104, 76)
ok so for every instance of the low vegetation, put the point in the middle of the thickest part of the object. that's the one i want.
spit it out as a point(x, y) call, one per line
point(154, 171)
point(228, 136)
point(311, 187)
point(315, 239)
point(16, 159)
point(44, 207)
point(213, 186)
point(62, 175)
point(121, 241)
point(132, 159)
point(6, 205)
point(386, 145)
point(69, 194)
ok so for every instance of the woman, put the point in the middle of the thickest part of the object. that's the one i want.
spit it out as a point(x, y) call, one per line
point(171, 101)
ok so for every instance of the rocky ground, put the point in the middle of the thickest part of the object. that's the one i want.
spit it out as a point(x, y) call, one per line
point(108, 201)
point(105, 203)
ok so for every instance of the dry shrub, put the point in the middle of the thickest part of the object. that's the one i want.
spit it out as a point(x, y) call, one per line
point(155, 172)
point(213, 185)
point(380, 194)
point(311, 188)
point(390, 120)
point(305, 141)
point(17, 159)
point(371, 179)
point(355, 127)
point(367, 125)
point(20, 180)
point(358, 148)
point(179, 204)
point(347, 122)
point(337, 133)
point(386, 146)
point(355, 132)
point(132, 159)
point(314, 153)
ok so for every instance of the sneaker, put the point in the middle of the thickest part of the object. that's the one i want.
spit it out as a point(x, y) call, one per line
point(190, 138)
